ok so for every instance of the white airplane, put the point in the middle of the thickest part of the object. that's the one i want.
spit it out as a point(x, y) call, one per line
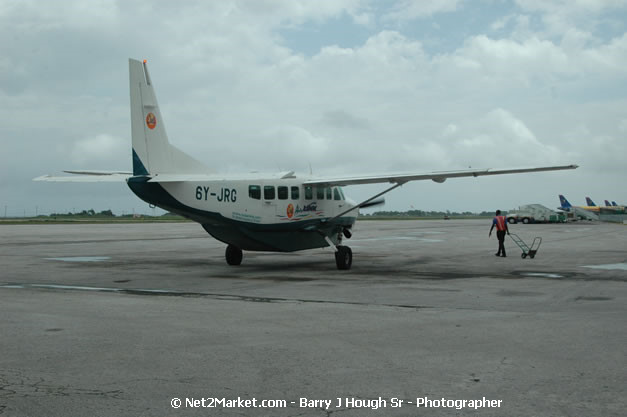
point(281, 213)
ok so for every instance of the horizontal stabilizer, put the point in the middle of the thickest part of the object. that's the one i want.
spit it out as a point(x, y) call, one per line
point(91, 172)
point(88, 176)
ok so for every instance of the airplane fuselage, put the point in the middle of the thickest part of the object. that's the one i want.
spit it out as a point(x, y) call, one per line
point(262, 214)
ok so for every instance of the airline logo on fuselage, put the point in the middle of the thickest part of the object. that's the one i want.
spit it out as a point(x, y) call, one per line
point(297, 212)
point(151, 121)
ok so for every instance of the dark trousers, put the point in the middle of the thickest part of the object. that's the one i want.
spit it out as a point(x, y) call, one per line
point(500, 235)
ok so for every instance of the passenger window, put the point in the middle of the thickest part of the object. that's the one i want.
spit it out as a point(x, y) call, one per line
point(320, 193)
point(336, 194)
point(282, 192)
point(254, 191)
point(308, 192)
point(329, 193)
point(268, 192)
point(295, 193)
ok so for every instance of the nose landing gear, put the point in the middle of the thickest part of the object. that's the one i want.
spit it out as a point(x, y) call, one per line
point(343, 257)
point(343, 254)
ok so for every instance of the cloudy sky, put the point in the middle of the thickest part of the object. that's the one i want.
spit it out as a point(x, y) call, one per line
point(343, 86)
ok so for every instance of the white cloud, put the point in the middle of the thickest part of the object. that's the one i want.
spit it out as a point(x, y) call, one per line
point(501, 22)
point(562, 16)
point(450, 130)
point(498, 138)
point(571, 7)
point(412, 9)
point(610, 57)
point(41, 17)
point(507, 58)
point(100, 151)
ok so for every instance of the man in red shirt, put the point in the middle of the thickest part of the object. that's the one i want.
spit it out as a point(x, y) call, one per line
point(501, 228)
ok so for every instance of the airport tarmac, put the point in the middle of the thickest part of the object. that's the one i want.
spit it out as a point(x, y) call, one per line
point(122, 319)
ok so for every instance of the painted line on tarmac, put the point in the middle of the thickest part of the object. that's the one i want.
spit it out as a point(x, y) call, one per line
point(620, 266)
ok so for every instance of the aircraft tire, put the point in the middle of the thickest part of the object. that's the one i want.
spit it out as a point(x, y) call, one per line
point(233, 255)
point(343, 257)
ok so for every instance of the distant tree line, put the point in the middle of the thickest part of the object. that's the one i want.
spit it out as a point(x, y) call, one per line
point(391, 213)
point(422, 213)
point(105, 213)
point(85, 213)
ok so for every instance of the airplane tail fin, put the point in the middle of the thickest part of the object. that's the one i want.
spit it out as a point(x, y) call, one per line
point(607, 203)
point(564, 203)
point(614, 203)
point(152, 152)
point(590, 202)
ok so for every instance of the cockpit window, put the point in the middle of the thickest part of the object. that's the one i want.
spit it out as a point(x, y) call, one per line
point(336, 194)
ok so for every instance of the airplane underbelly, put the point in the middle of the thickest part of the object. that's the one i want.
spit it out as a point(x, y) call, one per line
point(268, 240)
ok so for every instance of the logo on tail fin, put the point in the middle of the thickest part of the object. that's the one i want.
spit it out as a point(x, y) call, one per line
point(151, 121)
point(563, 202)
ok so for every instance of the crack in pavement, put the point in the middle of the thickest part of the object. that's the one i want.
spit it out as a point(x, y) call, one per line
point(217, 296)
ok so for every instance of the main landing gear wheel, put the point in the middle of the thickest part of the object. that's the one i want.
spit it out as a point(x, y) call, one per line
point(343, 257)
point(233, 255)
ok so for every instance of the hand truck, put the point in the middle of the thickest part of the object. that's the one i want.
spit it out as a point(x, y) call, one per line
point(527, 250)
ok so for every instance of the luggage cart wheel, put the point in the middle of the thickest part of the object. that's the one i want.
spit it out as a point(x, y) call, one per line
point(532, 256)
point(523, 255)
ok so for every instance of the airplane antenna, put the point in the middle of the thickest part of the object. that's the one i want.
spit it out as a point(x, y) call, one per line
point(310, 169)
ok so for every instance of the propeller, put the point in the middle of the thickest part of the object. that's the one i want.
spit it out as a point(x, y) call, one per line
point(376, 202)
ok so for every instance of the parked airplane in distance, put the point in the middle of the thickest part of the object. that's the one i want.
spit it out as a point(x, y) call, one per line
point(590, 203)
point(613, 207)
point(250, 212)
point(608, 208)
point(581, 212)
point(566, 206)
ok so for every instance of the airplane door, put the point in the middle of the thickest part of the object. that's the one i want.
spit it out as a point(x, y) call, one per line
point(339, 200)
point(269, 202)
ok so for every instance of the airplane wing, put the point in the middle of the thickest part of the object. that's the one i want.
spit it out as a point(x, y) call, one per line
point(399, 179)
point(437, 176)
point(88, 176)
